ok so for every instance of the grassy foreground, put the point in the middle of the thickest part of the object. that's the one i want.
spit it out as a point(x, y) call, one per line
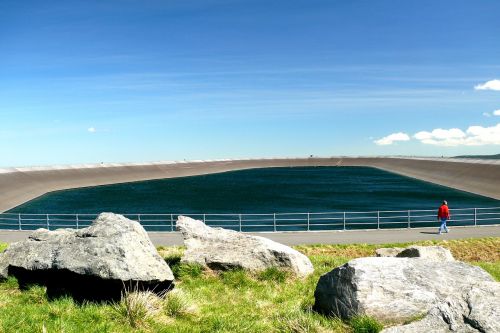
point(204, 301)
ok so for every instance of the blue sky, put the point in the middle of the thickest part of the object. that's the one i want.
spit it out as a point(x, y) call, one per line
point(132, 80)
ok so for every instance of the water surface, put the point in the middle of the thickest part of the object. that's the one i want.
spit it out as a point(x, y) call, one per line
point(268, 190)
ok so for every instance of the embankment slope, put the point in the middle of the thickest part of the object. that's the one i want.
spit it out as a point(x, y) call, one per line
point(23, 184)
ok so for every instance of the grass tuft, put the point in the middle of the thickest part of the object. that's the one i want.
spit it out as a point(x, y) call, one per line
point(237, 278)
point(171, 254)
point(273, 274)
point(138, 306)
point(491, 268)
point(178, 303)
point(365, 324)
point(187, 270)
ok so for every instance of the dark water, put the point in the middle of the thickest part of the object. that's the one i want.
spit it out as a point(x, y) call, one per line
point(301, 189)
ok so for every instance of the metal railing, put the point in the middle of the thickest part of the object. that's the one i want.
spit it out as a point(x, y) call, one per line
point(268, 222)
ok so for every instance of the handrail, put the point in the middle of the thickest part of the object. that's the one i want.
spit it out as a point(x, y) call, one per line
point(303, 221)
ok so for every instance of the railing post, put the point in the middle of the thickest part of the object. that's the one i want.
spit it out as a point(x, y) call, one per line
point(77, 221)
point(171, 222)
point(274, 221)
point(308, 219)
point(378, 219)
point(344, 221)
point(475, 216)
point(47, 220)
point(19, 221)
point(239, 218)
point(409, 219)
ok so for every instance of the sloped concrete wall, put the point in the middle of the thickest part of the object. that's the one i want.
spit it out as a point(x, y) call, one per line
point(23, 184)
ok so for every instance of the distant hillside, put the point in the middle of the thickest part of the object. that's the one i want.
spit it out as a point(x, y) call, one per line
point(484, 157)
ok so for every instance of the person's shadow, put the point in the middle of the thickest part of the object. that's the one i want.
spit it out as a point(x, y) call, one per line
point(430, 232)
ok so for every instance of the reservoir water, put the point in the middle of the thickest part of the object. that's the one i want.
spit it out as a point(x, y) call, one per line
point(268, 190)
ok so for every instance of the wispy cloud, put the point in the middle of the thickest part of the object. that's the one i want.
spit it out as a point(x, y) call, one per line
point(494, 113)
point(453, 137)
point(392, 138)
point(473, 136)
point(91, 130)
point(441, 137)
point(489, 85)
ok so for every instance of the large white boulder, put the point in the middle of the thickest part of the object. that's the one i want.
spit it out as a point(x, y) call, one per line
point(223, 249)
point(474, 309)
point(398, 289)
point(90, 263)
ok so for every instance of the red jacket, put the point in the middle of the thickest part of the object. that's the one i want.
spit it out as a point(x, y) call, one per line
point(443, 212)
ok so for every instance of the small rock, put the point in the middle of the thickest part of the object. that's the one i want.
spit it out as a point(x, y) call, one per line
point(435, 253)
point(388, 251)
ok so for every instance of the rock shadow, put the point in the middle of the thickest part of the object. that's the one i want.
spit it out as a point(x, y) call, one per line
point(83, 288)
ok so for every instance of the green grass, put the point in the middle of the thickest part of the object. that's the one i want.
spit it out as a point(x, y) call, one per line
point(365, 324)
point(232, 301)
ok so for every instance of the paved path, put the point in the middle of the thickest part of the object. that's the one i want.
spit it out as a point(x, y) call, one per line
point(324, 237)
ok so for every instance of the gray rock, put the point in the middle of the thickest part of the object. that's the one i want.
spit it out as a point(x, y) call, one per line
point(475, 309)
point(393, 289)
point(223, 249)
point(388, 251)
point(94, 262)
point(435, 253)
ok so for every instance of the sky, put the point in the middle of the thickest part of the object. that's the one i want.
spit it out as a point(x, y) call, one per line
point(133, 81)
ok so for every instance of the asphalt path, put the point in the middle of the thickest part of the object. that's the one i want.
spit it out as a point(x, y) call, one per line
point(323, 237)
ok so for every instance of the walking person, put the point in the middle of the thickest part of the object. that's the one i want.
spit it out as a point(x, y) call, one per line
point(443, 216)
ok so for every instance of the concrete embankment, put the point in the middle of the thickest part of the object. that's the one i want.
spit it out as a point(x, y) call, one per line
point(23, 184)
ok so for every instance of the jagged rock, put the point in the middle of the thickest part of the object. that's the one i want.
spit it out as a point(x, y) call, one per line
point(475, 309)
point(394, 289)
point(388, 251)
point(436, 253)
point(223, 249)
point(91, 263)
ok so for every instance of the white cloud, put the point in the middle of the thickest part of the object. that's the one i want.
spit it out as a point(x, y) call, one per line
point(473, 136)
point(490, 85)
point(486, 114)
point(496, 112)
point(91, 129)
point(390, 139)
